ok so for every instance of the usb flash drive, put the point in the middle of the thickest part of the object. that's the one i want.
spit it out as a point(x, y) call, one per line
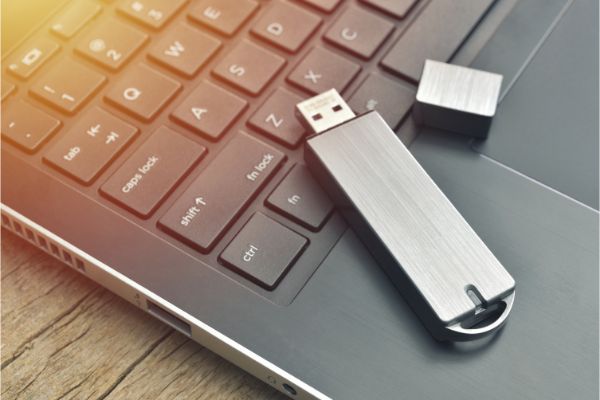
point(443, 269)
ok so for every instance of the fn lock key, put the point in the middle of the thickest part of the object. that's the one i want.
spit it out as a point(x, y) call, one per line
point(446, 273)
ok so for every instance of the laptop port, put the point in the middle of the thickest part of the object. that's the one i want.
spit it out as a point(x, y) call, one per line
point(289, 389)
point(168, 318)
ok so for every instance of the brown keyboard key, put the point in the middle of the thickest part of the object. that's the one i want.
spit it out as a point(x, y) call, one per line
point(321, 70)
point(184, 49)
point(90, 145)
point(26, 60)
point(224, 16)
point(300, 198)
point(152, 171)
point(391, 99)
point(263, 251)
point(73, 18)
point(209, 110)
point(67, 85)
point(396, 8)
point(359, 32)
point(276, 118)
point(323, 5)
point(151, 13)
point(249, 67)
point(221, 192)
point(7, 88)
point(436, 34)
point(111, 44)
point(142, 92)
point(26, 126)
point(286, 26)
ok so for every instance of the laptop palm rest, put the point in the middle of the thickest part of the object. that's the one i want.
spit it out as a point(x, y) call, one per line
point(546, 126)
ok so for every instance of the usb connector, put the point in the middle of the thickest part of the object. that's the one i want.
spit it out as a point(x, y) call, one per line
point(324, 111)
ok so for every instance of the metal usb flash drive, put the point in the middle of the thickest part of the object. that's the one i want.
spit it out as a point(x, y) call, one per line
point(444, 270)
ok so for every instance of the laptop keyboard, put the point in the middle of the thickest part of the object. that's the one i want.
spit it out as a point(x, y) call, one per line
point(180, 114)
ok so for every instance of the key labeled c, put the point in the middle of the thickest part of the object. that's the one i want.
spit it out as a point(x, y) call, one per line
point(349, 34)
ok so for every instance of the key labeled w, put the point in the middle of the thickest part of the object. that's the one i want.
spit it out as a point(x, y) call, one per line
point(175, 49)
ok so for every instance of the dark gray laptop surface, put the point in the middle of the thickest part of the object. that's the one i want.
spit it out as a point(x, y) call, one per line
point(344, 332)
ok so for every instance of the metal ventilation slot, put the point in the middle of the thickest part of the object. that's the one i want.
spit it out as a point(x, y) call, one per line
point(47, 245)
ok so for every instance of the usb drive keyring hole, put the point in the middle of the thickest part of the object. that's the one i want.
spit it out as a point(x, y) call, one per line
point(484, 314)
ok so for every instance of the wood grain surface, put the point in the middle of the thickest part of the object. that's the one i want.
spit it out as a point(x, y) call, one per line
point(65, 337)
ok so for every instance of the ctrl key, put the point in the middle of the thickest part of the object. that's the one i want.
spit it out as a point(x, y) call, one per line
point(263, 251)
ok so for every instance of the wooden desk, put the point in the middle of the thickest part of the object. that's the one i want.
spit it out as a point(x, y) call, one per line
point(64, 336)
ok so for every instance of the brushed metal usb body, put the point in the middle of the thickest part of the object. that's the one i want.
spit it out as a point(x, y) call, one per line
point(443, 269)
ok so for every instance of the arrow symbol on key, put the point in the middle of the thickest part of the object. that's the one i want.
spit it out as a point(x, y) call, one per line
point(93, 130)
point(200, 201)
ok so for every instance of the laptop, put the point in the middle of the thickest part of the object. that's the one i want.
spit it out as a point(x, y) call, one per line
point(152, 146)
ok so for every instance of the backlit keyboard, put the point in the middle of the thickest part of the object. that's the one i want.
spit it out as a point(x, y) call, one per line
point(179, 114)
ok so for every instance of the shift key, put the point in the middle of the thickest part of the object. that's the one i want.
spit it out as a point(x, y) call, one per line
point(221, 192)
point(147, 177)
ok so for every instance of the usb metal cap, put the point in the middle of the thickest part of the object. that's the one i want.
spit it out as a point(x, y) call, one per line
point(443, 269)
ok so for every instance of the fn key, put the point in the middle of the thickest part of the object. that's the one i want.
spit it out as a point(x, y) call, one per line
point(263, 251)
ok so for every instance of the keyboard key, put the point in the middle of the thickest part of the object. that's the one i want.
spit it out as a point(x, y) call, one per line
point(184, 50)
point(67, 85)
point(286, 26)
point(7, 88)
point(142, 92)
point(436, 34)
point(224, 16)
point(73, 18)
point(25, 61)
point(209, 110)
point(249, 67)
point(322, 70)
point(359, 32)
point(263, 251)
point(300, 198)
point(221, 192)
point(111, 44)
point(396, 8)
point(87, 147)
point(26, 126)
point(276, 118)
point(151, 13)
point(391, 99)
point(151, 172)
point(323, 5)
